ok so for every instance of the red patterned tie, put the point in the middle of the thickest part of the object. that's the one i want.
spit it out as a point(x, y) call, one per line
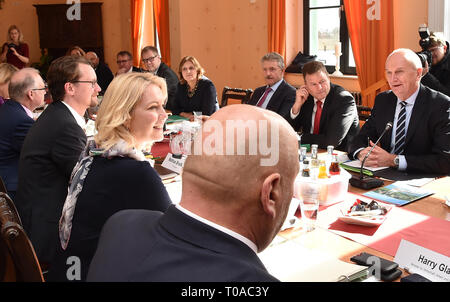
point(261, 101)
point(317, 117)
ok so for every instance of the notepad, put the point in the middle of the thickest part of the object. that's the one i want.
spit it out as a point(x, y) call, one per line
point(355, 166)
point(291, 262)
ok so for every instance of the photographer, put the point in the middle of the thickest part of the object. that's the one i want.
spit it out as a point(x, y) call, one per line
point(437, 76)
point(15, 51)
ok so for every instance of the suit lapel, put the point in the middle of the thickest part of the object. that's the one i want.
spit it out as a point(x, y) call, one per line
point(416, 114)
point(256, 95)
point(387, 115)
point(326, 109)
point(274, 103)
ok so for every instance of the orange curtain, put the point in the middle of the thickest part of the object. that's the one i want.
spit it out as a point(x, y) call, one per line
point(277, 27)
point(161, 12)
point(371, 33)
point(137, 28)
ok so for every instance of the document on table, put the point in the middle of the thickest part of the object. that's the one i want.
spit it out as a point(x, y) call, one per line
point(291, 262)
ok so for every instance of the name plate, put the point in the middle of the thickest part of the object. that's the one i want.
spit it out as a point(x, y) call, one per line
point(173, 163)
point(422, 261)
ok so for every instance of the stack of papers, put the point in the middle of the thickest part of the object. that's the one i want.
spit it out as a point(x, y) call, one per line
point(291, 262)
point(355, 166)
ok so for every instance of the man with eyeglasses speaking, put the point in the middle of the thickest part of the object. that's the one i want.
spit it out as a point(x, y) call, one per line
point(27, 91)
point(50, 151)
point(152, 62)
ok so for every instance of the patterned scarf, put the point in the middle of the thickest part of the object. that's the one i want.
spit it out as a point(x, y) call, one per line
point(78, 176)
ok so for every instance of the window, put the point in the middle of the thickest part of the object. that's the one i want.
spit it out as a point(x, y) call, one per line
point(325, 25)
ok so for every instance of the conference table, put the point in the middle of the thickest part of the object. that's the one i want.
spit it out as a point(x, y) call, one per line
point(415, 220)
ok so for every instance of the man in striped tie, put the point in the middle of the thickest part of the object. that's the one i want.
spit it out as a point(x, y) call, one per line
point(420, 136)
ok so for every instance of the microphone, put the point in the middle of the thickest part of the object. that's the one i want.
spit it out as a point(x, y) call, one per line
point(365, 182)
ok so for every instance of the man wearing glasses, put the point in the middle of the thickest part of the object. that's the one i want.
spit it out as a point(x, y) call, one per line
point(50, 151)
point(27, 91)
point(438, 75)
point(125, 63)
point(152, 62)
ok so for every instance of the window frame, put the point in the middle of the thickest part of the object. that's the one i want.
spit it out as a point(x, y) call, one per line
point(343, 37)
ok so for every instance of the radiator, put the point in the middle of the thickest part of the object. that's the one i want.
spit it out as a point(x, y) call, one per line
point(357, 96)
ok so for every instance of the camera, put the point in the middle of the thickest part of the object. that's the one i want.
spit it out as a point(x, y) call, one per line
point(425, 55)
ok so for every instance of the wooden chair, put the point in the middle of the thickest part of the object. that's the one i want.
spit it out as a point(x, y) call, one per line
point(2, 186)
point(18, 261)
point(235, 95)
point(363, 114)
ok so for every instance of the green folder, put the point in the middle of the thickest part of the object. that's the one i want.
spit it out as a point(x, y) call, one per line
point(175, 118)
point(357, 170)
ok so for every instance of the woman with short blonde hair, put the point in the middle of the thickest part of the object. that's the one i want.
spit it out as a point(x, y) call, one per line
point(115, 175)
point(118, 103)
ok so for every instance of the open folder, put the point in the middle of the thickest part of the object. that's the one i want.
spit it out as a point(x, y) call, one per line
point(355, 166)
point(291, 262)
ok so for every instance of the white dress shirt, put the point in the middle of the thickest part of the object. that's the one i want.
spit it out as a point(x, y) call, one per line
point(79, 119)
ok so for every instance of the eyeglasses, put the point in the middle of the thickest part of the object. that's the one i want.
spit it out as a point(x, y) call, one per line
point(93, 83)
point(434, 49)
point(122, 61)
point(149, 59)
point(44, 88)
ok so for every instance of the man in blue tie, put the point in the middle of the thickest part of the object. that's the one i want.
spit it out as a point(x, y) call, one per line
point(420, 139)
point(277, 95)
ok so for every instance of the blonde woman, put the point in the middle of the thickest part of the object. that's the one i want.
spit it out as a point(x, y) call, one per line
point(15, 51)
point(195, 92)
point(115, 175)
point(6, 72)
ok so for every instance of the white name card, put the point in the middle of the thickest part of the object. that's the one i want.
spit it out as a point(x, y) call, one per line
point(422, 261)
point(174, 164)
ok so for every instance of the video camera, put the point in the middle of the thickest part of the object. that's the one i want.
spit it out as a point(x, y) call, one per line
point(425, 55)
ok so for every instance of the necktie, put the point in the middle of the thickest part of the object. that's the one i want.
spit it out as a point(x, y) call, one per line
point(261, 101)
point(317, 117)
point(400, 133)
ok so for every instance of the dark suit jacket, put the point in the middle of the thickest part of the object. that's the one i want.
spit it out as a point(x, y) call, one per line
point(104, 76)
point(111, 185)
point(140, 245)
point(339, 121)
point(427, 146)
point(14, 126)
point(281, 101)
point(171, 77)
point(49, 153)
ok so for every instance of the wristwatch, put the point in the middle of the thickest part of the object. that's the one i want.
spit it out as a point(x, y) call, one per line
point(396, 161)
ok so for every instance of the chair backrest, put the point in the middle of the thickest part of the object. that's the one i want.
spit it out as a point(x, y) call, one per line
point(363, 114)
point(2, 186)
point(235, 96)
point(18, 261)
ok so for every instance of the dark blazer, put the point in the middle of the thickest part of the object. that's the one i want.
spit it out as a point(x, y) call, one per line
point(140, 245)
point(427, 146)
point(49, 153)
point(14, 126)
point(111, 185)
point(339, 121)
point(171, 77)
point(104, 76)
point(281, 101)
point(204, 98)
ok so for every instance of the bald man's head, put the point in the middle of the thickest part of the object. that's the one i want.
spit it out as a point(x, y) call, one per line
point(239, 148)
point(22, 81)
point(92, 58)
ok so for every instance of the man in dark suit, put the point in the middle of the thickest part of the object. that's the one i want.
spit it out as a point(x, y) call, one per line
point(125, 63)
point(419, 140)
point(104, 74)
point(27, 91)
point(152, 62)
point(277, 95)
point(51, 150)
point(231, 208)
point(325, 113)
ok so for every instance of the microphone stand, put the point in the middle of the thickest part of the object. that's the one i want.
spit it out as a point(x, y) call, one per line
point(366, 182)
